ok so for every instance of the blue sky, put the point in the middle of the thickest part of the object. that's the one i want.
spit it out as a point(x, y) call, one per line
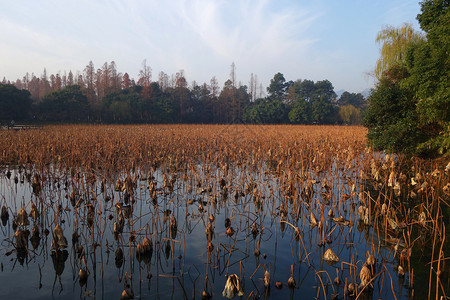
point(314, 40)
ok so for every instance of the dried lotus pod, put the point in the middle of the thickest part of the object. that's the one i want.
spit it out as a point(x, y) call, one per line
point(337, 280)
point(330, 213)
point(83, 275)
point(230, 231)
point(126, 295)
point(330, 257)
point(365, 275)
point(291, 280)
point(173, 227)
point(22, 218)
point(342, 221)
point(34, 212)
point(147, 245)
point(232, 287)
point(267, 278)
point(351, 289)
point(59, 240)
point(21, 240)
point(4, 215)
point(371, 260)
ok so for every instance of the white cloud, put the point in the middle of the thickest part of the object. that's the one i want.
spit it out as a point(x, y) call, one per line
point(203, 37)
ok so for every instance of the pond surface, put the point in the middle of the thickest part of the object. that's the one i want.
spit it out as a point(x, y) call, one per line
point(203, 224)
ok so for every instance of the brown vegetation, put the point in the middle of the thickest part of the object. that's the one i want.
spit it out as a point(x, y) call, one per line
point(255, 179)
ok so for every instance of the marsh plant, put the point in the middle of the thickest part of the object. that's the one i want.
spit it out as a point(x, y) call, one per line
point(175, 211)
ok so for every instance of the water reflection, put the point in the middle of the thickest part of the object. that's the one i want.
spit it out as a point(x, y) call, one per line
point(162, 236)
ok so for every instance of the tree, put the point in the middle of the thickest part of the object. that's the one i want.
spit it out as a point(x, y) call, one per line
point(44, 85)
point(89, 75)
point(225, 103)
point(266, 111)
point(163, 81)
point(58, 82)
point(105, 79)
point(356, 100)
point(70, 80)
point(115, 78)
point(300, 112)
point(126, 81)
point(322, 110)
point(98, 84)
point(182, 93)
point(350, 115)
point(428, 62)
point(301, 90)
point(391, 117)
point(253, 86)
point(278, 86)
point(15, 104)
point(66, 105)
point(126, 106)
point(311, 102)
point(394, 43)
point(145, 78)
point(409, 107)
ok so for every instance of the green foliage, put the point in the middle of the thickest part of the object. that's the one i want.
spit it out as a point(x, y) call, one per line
point(266, 111)
point(68, 104)
point(434, 14)
point(356, 100)
point(322, 110)
point(231, 103)
point(301, 102)
point(300, 112)
point(394, 44)
point(350, 115)
point(124, 107)
point(278, 86)
point(391, 116)
point(311, 103)
point(15, 104)
point(409, 108)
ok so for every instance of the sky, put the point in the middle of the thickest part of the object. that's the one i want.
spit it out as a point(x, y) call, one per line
point(302, 39)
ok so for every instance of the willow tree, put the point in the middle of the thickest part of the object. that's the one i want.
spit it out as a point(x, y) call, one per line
point(394, 42)
point(409, 108)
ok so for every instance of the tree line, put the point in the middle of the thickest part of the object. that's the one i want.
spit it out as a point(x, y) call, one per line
point(108, 96)
point(409, 107)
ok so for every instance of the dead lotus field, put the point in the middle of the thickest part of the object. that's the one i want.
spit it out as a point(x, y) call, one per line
point(214, 211)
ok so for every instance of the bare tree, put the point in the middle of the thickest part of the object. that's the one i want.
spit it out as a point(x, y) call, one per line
point(145, 78)
point(70, 78)
point(163, 81)
point(89, 75)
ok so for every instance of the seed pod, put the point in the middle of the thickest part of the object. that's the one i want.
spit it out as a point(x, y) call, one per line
point(34, 211)
point(230, 231)
point(22, 218)
point(83, 275)
point(147, 245)
point(4, 215)
point(232, 287)
point(351, 289)
point(365, 276)
point(337, 280)
point(21, 240)
point(371, 260)
point(267, 278)
point(330, 257)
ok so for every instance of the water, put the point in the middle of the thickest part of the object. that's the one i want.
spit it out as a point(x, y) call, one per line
point(181, 264)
